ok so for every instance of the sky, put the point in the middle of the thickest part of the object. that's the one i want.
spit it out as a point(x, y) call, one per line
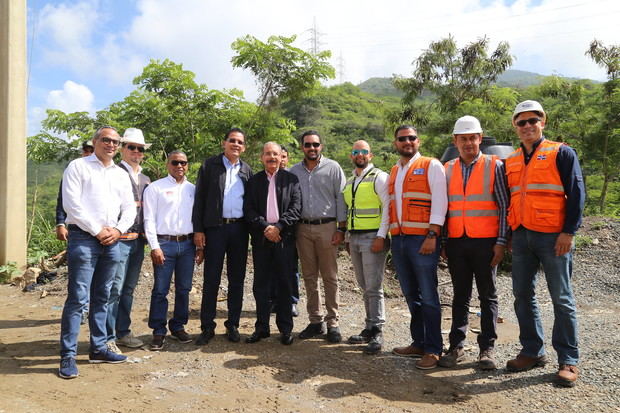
point(84, 54)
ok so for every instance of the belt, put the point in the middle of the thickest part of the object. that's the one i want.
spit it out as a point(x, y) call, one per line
point(231, 220)
point(362, 231)
point(74, 227)
point(177, 238)
point(317, 221)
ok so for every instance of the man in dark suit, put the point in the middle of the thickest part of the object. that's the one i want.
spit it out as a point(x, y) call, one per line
point(220, 229)
point(272, 206)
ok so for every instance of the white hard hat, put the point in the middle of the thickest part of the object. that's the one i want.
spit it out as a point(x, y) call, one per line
point(134, 135)
point(467, 124)
point(528, 106)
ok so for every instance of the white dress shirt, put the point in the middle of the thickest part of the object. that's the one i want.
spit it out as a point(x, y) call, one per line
point(168, 209)
point(134, 175)
point(382, 189)
point(437, 183)
point(94, 196)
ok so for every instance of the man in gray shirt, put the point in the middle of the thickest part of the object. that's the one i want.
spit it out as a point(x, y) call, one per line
point(321, 229)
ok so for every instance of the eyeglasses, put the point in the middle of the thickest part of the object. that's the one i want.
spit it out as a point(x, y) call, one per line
point(111, 141)
point(356, 152)
point(135, 147)
point(236, 141)
point(411, 138)
point(312, 144)
point(177, 163)
point(532, 121)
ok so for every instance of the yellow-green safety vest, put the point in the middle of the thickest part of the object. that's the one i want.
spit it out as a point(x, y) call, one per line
point(363, 203)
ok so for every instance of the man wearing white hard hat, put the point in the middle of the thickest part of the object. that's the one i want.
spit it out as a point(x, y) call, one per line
point(477, 233)
point(547, 199)
point(131, 246)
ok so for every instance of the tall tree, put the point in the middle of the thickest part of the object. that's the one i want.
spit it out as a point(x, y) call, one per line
point(609, 130)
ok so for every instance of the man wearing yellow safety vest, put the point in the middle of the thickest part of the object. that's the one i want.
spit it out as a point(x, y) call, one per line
point(477, 233)
point(368, 221)
point(418, 204)
point(547, 198)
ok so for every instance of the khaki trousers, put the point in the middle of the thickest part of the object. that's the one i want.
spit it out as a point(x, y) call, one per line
point(318, 255)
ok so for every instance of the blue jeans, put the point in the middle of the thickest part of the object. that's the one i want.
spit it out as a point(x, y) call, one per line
point(417, 275)
point(91, 269)
point(121, 293)
point(530, 249)
point(179, 258)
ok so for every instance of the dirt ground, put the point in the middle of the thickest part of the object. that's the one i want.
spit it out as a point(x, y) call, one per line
point(308, 376)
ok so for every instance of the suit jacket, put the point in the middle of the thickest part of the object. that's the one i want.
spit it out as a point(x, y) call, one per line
point(209, 197)
point(288, 193)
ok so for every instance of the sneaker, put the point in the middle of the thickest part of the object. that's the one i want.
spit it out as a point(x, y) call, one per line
point(452, 357)
point(333, 335)
point(106, 356)
point(523, 362)
point(312, 330)
point(158, 342)
point(486, 360)
point(567, 375)
point(427, 362)
point(376, 342)
point(111, 345)
point(409, 351)
point(68, 368)
point(129, 341)
point(182, 336)
point(361, 338)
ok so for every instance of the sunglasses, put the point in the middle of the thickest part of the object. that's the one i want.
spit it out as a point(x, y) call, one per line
point(177, 163)
point(531, 121)
point(407, 138)
point(236, 141)
point(109, 141)
point(356, 152)
point(312, 144)
point(135, 147)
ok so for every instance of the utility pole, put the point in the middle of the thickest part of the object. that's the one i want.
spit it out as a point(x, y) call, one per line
point(13, 164)
point(315, 38)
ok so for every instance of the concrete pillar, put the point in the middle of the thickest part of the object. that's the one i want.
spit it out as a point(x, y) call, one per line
point(13, 132)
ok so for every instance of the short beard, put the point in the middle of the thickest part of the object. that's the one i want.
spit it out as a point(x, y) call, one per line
point(362, 164)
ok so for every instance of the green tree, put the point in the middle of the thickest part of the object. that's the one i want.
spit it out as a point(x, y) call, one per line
point(609, 129)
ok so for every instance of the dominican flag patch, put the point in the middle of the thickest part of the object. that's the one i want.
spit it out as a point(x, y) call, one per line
point(541, 157)
point(419, 171)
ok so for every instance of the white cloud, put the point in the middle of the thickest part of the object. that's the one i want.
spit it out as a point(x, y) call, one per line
point(72, 98)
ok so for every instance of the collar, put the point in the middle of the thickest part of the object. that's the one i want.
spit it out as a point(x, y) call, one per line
point(174, 181)
point(93, 158)
point(364, 171)
point(229, 164)
point(130, 168)
point(472, 162)
point(413, 158)
point(534, 146)
point(270, 176)
point(318, 162)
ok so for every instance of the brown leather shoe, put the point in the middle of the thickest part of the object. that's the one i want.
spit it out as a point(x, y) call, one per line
point(567, 375)
point(428, 361)
point(523, 362)
point(409, 351)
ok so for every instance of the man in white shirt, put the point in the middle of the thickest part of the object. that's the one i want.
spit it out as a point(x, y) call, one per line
point(368, 220)
point(168, 204)
point(97, 198)
point(131, 246)
point(418, 206)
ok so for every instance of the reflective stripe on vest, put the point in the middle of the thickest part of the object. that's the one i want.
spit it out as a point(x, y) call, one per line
point(538, 200)
point(363, 203)
point(472, 210)
point(416, 199)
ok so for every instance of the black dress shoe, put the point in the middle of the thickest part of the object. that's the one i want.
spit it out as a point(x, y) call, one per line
point(232, 333)
point(256, 337)
point(375, 343)
point(286, 339)
point(312, 330)
point(333, 335)
point(204, 337)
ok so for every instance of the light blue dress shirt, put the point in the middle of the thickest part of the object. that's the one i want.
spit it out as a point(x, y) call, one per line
point(233, 191)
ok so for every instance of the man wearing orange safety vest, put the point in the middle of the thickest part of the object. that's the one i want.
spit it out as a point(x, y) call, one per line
point(418, 204)
point(547, 198)
point(477, 233)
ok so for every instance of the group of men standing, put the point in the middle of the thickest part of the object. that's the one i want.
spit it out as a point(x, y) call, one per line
point(467, 211)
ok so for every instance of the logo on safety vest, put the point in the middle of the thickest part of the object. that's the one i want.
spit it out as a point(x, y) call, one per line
point(419, 171)
point(541, 157)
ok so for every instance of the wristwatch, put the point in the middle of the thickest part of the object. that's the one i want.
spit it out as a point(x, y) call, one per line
point(431, 234)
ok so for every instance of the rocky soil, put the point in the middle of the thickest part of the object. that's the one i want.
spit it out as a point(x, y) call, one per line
point(314, 375)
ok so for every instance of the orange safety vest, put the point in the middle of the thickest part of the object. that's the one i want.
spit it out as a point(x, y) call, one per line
point(537, 197)
point(472, 211)
point(416, 206)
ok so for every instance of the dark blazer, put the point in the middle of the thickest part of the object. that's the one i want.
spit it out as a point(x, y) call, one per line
point(209, 197)
point(288, 192)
